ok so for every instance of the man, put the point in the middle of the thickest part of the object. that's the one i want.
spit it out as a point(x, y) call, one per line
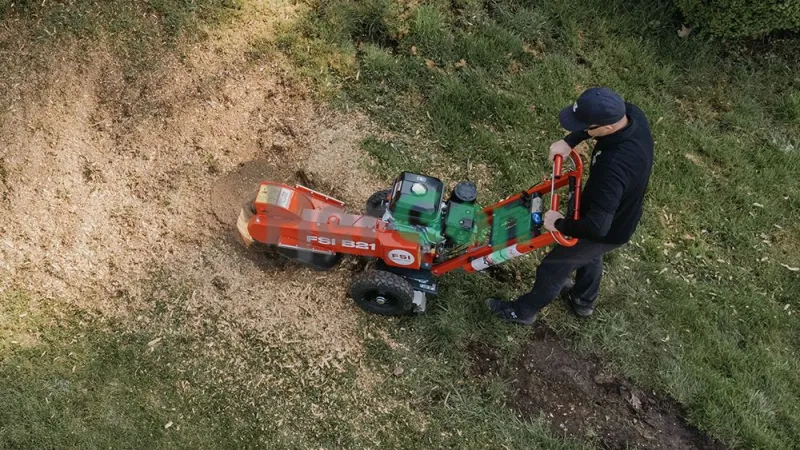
point(611, 204)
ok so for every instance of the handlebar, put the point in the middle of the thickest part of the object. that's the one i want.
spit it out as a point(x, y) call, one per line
point(554, 198)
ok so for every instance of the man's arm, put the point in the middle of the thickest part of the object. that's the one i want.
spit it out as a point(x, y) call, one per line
point(604, 203)
point(576, 137)
point(570, 141)
point(594, 225)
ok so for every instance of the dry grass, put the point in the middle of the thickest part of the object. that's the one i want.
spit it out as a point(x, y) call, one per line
point(110, 181)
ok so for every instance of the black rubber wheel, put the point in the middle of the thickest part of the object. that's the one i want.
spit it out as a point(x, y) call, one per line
point(382, 292)
point(376, 203)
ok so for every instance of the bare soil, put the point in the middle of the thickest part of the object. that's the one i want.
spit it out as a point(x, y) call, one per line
point(580, 399)
point(107, 184)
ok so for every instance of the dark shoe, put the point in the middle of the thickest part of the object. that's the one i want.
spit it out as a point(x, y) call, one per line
point(578, 306)
point(565, 291)
point(507, 312)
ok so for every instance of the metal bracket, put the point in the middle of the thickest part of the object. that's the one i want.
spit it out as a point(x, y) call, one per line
point(420, 302)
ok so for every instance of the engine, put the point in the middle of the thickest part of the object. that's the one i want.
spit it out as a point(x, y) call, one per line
point(461, 214)
point(417, 206)
point(416, 200)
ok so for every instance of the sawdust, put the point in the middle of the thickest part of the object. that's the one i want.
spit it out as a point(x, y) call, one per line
point(103, 191)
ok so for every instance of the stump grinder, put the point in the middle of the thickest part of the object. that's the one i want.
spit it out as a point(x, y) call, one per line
point(410, 233)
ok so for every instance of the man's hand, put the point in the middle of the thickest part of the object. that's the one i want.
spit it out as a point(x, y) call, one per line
point(560, 148)
point(550, 218)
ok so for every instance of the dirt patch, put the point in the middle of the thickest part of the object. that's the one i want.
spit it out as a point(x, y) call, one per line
point(229, 193)
point(101, 194)
point(578, 398)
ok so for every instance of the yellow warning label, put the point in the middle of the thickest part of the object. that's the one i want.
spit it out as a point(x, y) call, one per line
point(275, 195)
point(268, 194)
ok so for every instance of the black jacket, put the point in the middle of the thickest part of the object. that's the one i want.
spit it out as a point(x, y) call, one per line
point(611, 201)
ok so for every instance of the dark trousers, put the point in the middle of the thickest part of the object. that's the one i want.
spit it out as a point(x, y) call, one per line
point(584, 258)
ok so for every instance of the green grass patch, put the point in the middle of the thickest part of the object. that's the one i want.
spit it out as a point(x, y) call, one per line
point(171, 376)
point(135, 36)
point(126, 19)
point(153, 381)
point(702, 304)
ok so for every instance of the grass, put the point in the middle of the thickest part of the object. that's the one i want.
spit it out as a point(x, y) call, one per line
point(695, 307)
point(128, 20)
point(701, 305)
point(169, 377)
point(138, 36)
point(73, 379)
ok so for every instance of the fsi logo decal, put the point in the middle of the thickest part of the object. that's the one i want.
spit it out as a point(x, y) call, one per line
point(401, 257)
point(322, 240)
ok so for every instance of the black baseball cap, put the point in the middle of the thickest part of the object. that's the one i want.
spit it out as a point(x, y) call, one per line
point(596, 106)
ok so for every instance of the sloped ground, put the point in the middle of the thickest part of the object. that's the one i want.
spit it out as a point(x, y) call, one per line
point(115, 192)
point(105, 190)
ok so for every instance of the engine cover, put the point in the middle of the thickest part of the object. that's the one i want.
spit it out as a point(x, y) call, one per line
point(416, 199)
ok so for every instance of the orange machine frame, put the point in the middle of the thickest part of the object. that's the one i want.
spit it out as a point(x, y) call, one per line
point(296, 217)
point(557, 181)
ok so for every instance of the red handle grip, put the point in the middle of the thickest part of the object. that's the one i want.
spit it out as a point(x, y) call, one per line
point(554, 199)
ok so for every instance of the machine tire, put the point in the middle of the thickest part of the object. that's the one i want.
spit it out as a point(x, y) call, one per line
point(382, 292)
point(376, 203)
